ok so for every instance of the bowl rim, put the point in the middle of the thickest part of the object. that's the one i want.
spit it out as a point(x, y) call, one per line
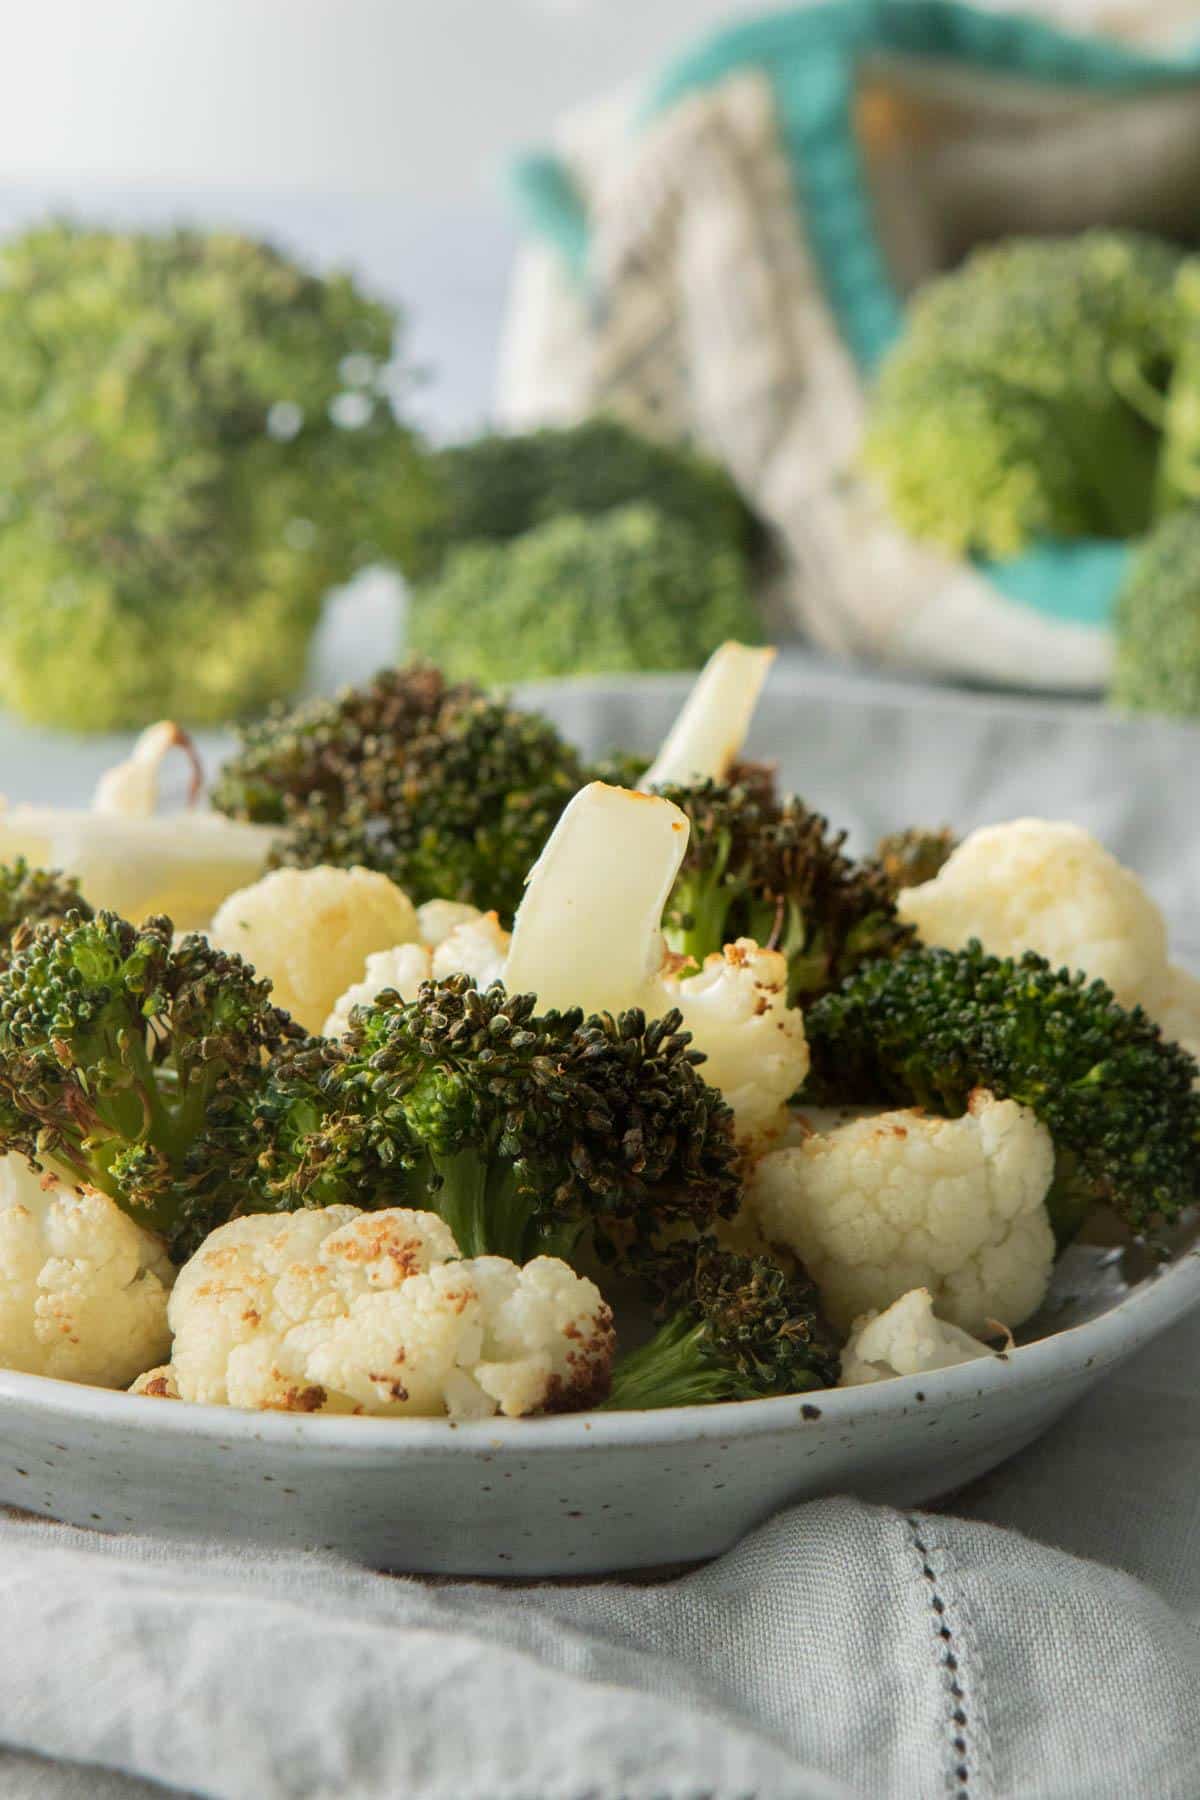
point(1152, 1306)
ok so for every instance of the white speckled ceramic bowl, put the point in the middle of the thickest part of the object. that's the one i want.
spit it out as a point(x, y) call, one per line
point(568, 1496)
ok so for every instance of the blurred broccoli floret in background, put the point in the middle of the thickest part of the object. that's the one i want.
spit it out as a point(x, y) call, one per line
point(497, 486)
point(449, 792)
point(196, 443)
point(1026, 396)
point(632, 589)
point(1156, 664)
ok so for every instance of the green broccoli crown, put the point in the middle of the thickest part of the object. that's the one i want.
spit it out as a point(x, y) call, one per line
point(1117, 1099)
point(524, 1129)
point(768, 868)
point(197, 441)
point(911, 857)
point(115, 1045)
point(1156, 665)
point(31, 897)
point(285, 1143)
point(1023, 399)
point(449, 792)
point(627, 590)
point(500, 486)
point(742, 1329)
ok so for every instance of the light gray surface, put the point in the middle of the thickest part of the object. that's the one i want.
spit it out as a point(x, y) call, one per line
point(807, 1662)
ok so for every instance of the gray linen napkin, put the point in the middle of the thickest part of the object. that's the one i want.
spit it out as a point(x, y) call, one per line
point(841, 1650)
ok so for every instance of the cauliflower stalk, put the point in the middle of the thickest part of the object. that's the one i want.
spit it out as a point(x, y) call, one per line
point(337, 1310)
point(83, 1290)
point(907, 1339)
point(885, 1203)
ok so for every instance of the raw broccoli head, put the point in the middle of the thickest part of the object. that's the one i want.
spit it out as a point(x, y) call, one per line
point(742, 1329)
point(1117, 1099)
point(33, 897)
point(500, 486)
point(1156, 665)
point(523, 1130)
point(196, 443)
point(449, 792)
point(910, 858)
point(115, 1050)
point(767, 868)
point(627, 590)
point(1019, 402)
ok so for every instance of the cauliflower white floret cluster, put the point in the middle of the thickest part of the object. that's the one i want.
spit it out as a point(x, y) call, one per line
point(310, 932)
point(902, 1200)
point(1036, 884)
point(475, 945)
point(907, 1339)
point(83, 1290)
point(737, 1011)
point(337, 1310)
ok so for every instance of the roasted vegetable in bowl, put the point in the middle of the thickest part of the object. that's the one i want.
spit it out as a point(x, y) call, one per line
point(725, 1115)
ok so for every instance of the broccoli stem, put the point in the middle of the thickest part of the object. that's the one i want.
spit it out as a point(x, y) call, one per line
point(482, 1202)
point(673, 1369)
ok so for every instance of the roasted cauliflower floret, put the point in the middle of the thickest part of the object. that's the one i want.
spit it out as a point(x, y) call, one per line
point(1037, 884)
point(477, 948)
point(336, 1310)
point(402, 969)
point(756, 1052)
point(310, 932)
point(83, 1290)
point(907, 1339)
point(901, 1200)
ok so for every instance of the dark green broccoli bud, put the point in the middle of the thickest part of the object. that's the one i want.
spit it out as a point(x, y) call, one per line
point(500, 486)
point(115, 1050)
point(1117, 1099)
point(523, 1130)
point(1024, 398)
point(743, 1329)
point(1156, 663)
point(197, 442)
point(627, 590)
point(909, 858)
point(767, 868)
point(449, 792)
point(32, 897)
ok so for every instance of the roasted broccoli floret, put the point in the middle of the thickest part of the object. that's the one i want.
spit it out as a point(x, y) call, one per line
point(524, 1130)
point(910, 858)
point(1117, 1099)
point(1024, 398)
point(742, 1329)
point(448, 792)
point(31, 897)
point(500, 485)
point(627, 590)
point(767, 868)
point(1156, 663)
point(116, 1052)
point(197, 442)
